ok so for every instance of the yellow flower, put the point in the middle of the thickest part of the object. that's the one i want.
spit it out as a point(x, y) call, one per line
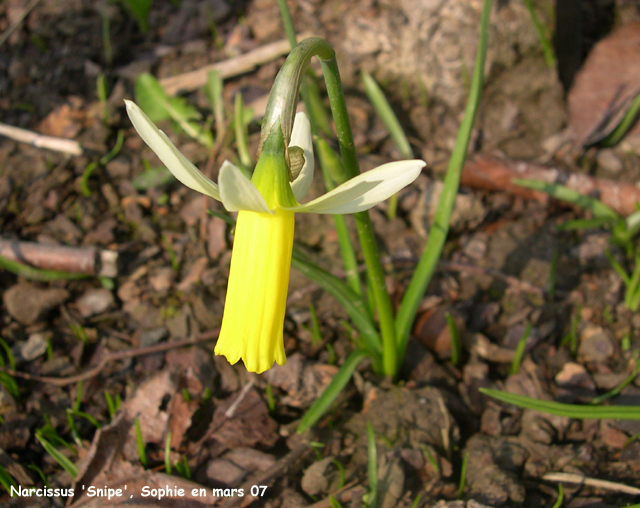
point(253, 319)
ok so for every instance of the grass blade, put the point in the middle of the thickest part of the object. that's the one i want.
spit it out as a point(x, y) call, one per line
point(568, 410)
point(31, 273)
point(330, 393)
point(352, 304)
point(595, 206)
point(372, 466)
point(438, 234)
point(66, 464)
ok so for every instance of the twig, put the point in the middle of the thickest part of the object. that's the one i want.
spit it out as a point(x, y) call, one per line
point(278, 469)
point(87, 260)
point(41, 141)
point(591, 482)
point(491, 173)
point(243, 393)
point(17, 22)
point(190, 81)
point(111, 357)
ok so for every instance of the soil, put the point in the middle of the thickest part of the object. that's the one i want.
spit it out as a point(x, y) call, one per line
point(145, 337)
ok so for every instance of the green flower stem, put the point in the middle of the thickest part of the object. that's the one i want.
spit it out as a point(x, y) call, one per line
point(280, 113)
point(363, 221)
point(312, 103)
point(438, 233)
point(330, 164)
point(285, 14)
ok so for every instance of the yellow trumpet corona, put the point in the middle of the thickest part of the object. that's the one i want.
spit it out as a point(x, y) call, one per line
point(253, 320)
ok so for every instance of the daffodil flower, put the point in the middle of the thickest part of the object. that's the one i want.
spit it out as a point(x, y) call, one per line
point(253, 319)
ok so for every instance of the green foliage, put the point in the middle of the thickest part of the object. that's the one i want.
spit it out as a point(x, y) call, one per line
point(372, 467)
point(547, 47)
point(456, 344)
point(140, 10)
point(463, 475)
point(627, 121)
point(331, 392)
point(568, 410)
point(64, 462)
point(7, 480)
point(623, 232)
point(142, 454)
point(520, 349)
point(158, 106)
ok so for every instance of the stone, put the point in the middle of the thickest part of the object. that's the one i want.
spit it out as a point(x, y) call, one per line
point(94, 301)
point(28, 304)
point(224, 471)
point(595, 345)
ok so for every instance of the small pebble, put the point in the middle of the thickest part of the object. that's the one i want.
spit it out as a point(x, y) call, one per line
point(94, 302)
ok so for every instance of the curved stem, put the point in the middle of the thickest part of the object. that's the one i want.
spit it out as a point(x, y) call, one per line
point(363, 221)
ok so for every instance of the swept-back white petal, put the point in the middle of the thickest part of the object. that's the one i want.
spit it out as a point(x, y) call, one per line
point(237, 191)
point(301, 136)
point(366, 190)
point(170, 156)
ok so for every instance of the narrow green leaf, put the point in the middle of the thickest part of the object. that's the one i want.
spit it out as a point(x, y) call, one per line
point(372, 466)
point(29, 272)
point(339, 381)
point(520, 349)
point(64, 462)
point(352, 304)
point(140, 10)
point(152, 99)
point(568, 410)
point(142, 454)
point(463, 475)
point(595, 206)
point(438, 234)
point(625, 124)
point(7, 480)
point(547, 48)
point(386, 114)
point(167, 454)
point(333, 502)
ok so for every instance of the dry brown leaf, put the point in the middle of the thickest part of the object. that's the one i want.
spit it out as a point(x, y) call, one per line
point(249, 425)
point(603, 88)
point(65, 121)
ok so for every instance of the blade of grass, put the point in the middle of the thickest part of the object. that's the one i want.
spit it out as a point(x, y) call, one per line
point(520, 349)
point(463, 475)
point(28, 272)
point(331, 169)
point(337, 288)
point(64, 462)
point(7, 480)
point(438, 233)
point(568, 410)
point(241, 133)
point(167, 454)
point(390, 120)
point(547, 48)
point(142, 454)
point(616, 391)
point(625, 124)
point(372, 466)
point(595, 206)
point(339, 381)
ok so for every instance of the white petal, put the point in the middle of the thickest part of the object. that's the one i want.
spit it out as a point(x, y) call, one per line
point(366, 190)
point(170, 156)
point(301, 136)
point(237, 191)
